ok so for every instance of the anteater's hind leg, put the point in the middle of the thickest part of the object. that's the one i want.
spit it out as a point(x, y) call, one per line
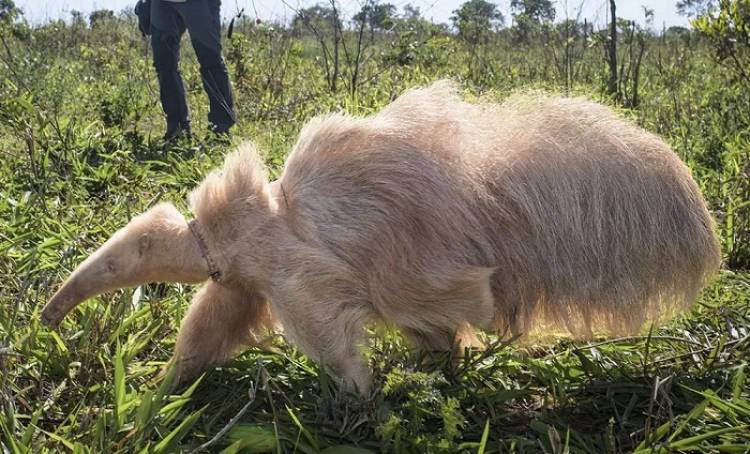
point(438, 311)
point(457, 340)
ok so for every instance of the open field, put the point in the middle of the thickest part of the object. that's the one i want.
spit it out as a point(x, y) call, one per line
point(80, 155)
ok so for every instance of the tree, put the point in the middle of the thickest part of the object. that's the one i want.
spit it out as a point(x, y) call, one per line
point(99, 16)
point(77, 19)
point(612, 88)
point(378, 16)
point(411, 19)
point(676, 30)
point(475, 19)
point(728, 28)
point(325, 24)
point(11, 22)
point(318, 16)
point(530, 15)
point(8, 11)
point(535, 11)
point(411, 13)
point(694, 8)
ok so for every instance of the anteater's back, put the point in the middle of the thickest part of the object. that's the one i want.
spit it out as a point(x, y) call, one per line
point(609, 229)
point(590, 223)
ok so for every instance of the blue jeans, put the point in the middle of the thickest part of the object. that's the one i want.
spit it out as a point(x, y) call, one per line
point(202, 20)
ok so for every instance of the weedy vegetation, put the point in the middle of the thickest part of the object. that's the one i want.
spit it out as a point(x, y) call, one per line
point(80, 155)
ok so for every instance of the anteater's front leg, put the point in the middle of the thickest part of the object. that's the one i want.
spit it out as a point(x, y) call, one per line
point(220, 321)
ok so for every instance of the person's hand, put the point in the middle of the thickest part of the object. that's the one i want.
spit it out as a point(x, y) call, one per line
point(143, 12)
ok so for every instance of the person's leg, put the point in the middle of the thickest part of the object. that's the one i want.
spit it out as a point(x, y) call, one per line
point(166, 29)
point(203, 21)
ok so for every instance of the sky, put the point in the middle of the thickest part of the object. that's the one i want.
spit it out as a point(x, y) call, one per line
point(665, 13)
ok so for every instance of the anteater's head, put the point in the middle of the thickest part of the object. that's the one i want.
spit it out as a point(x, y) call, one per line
point(157, 246)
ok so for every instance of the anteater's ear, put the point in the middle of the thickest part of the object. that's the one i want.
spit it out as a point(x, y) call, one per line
point(144, 244)
point(242, 183)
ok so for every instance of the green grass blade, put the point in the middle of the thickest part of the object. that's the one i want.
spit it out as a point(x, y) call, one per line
point(695, 413)
point(169, 443)
point(119, 388)
point(738, 383)
point(691, 442)
point(485, 435)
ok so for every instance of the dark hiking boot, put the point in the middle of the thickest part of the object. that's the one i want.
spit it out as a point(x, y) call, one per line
point(176, 132)
point(218, 134)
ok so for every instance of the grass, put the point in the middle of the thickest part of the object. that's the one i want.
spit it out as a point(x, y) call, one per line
point(78, 116)
point(92, 386)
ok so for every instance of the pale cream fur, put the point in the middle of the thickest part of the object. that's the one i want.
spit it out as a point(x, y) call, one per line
point(540, 215)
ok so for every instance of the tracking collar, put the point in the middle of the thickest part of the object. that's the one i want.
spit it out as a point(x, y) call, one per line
point(213, 270)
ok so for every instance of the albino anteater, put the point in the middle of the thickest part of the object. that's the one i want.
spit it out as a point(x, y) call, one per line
point(434, 215)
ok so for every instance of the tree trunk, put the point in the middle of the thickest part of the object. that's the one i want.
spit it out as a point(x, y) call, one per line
point(337, 36)
point(637, 71)
point(612, 62)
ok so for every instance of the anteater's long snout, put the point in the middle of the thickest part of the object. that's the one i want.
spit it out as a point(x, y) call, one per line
point(63, 301)
point(156, 246)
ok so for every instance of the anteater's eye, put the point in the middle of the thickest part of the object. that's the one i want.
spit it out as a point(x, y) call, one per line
point(111, 266)
point(144, 244)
